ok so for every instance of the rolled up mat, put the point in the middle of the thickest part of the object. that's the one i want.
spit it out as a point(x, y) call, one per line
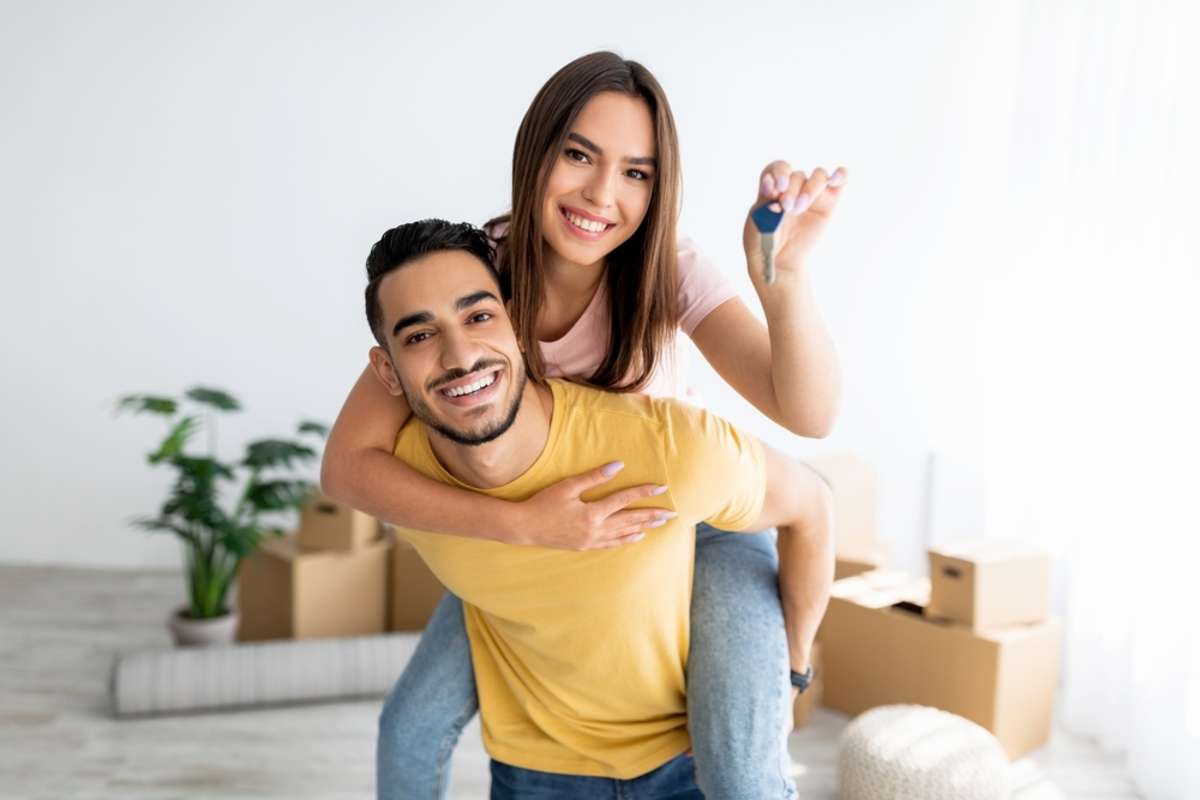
point(258, 673)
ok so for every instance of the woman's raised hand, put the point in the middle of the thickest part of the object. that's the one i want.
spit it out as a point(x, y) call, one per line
point(807, 200)
point(558, 517)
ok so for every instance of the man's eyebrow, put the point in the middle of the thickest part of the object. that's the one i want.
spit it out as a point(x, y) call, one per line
point(464, 302)
point(595, 148)
point(412, 319)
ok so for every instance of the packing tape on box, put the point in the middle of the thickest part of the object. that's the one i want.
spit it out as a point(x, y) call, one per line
point(259, 673)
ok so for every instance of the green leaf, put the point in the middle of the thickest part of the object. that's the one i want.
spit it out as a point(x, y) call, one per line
point(278, 495)
point(152, 525)
point(178, 436)
point(241, 540)
point(194, 495)
point(153, 404)
point(267, 453)
point(202, 468)
point(222, 401)
point(312, 426)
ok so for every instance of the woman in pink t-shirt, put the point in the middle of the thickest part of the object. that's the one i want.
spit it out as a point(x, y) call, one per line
point(599, 286)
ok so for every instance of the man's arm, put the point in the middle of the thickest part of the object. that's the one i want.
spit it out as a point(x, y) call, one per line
point(800, 505)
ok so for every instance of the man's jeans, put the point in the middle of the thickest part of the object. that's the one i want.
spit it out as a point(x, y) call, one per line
point(738, 695)
point(675, 780)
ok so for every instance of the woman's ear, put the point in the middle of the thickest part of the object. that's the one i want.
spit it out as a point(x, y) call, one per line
point(381, 364)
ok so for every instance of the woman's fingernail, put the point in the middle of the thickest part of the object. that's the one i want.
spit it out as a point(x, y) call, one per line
point(768, 185)
point(659, 490)
point(802, 203)
point(608, 470)
point(787, 203)
point(783, 183)
point(666, 515)
point(837, 178)
point(658, 523)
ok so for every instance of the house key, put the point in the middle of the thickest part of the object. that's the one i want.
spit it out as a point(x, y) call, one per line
point(767, 221)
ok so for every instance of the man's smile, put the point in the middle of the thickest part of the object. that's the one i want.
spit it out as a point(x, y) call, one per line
point(474, 389)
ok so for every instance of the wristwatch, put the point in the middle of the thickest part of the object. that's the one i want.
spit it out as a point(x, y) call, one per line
point(802, 680)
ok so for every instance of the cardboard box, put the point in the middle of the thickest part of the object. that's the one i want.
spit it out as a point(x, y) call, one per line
point(326, 524)
point(803, 707)
point(856, 492)
point(860, 559)
point(987, 583)
point(879, 649)
point(413, 591)
point(286, 593)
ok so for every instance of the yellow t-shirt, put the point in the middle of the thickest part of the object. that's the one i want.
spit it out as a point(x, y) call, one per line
point(579, 656)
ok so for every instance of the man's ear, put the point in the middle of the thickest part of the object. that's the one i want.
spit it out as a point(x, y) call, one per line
point(381, 364)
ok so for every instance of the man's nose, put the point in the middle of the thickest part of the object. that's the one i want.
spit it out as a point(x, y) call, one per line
point(459, 350)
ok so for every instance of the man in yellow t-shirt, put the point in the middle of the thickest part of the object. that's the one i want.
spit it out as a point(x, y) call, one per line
point(579, 657)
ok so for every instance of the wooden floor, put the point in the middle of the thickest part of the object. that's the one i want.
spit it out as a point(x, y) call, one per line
point(61, 628)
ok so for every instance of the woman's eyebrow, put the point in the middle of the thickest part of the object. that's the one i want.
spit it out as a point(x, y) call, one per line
point(595, 148)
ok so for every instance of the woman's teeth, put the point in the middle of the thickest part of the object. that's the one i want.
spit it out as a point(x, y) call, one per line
point(587, 224)
point(471, 388)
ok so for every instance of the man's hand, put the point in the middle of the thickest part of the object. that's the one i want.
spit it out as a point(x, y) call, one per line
point(556, 516)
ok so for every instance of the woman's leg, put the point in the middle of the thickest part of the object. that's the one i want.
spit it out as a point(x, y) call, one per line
point(739, 701)
point(426, 710)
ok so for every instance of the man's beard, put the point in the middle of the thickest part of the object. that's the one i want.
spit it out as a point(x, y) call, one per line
point(472, 439)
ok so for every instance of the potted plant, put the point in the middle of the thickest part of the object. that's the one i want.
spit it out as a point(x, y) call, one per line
point(215, 539)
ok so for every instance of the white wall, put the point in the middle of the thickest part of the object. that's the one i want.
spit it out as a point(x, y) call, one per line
point(189, 191)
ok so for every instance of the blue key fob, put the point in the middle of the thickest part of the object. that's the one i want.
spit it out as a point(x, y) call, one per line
point(765, 219)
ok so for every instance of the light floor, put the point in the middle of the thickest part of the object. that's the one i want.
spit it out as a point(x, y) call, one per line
point(61, 628)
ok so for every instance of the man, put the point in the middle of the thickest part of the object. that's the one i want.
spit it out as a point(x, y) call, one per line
point(578, 656)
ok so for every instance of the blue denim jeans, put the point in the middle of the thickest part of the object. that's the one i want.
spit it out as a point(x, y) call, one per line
point(674, 780)
point(738, 696)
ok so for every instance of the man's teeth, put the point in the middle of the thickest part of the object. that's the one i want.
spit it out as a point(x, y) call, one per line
point(470, 388)
point(586, 224)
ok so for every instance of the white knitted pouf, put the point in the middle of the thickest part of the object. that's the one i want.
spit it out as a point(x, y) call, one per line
point(920, 753)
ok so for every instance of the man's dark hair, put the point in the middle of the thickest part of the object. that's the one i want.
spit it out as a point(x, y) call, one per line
point(411, 241)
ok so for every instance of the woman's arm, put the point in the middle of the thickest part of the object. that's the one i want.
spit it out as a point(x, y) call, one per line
point(358, 469)
point(787, 369)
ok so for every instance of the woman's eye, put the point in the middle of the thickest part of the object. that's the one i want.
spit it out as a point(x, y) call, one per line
point(638, 175)
point(577, 155)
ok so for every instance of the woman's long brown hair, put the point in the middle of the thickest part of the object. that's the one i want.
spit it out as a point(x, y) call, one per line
point(640, 275)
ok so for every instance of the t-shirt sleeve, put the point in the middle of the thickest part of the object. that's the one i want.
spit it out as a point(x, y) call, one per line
point(702, 287)
point(716, 472)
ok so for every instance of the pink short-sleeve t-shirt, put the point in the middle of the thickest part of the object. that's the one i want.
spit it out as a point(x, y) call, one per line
point(579, 351)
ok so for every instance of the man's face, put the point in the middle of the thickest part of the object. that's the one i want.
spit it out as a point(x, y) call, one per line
point(453, 352)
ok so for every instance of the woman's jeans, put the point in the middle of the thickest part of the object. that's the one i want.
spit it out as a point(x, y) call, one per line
point(738, 695)
point(674, 780)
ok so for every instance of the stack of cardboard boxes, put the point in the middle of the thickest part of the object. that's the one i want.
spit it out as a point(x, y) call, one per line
point(340, 574)
point(975, 640)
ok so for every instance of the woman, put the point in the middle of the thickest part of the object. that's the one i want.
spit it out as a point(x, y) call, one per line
point(599, 286)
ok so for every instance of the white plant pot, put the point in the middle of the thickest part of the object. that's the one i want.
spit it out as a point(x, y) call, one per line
point(203, 632)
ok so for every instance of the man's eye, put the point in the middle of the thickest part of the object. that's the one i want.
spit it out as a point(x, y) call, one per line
point(482, 316)
point(577, 155)
point(417, 338)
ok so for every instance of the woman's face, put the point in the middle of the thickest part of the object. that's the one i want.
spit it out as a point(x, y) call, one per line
point(602, 181)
